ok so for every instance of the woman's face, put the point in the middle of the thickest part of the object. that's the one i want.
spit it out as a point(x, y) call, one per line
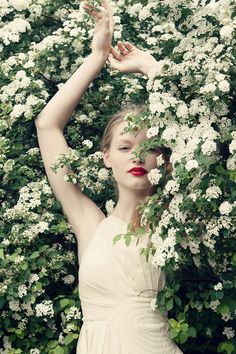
point(121, 159)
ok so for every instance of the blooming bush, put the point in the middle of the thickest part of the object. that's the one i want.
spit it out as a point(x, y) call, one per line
point(190, 97)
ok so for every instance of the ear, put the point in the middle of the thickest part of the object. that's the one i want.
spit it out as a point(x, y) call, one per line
point(106, 159)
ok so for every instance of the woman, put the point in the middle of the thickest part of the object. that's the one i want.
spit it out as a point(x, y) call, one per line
point(114, 281)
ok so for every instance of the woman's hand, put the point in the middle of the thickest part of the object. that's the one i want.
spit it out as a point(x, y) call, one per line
point(131, 59)
point(104, 27)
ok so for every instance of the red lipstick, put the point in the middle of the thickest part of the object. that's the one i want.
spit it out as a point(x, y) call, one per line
point(137, 171)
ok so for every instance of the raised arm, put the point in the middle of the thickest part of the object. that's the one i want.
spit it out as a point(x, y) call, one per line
point(82, 213)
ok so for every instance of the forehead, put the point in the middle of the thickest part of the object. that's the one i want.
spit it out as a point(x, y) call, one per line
point(120, 135)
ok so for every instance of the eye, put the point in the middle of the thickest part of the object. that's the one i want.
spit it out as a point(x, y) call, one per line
point(124, 147)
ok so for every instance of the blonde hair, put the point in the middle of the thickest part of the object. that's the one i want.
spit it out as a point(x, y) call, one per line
point(105, 145)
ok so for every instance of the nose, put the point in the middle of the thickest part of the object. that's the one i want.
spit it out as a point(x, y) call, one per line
point(138, 160)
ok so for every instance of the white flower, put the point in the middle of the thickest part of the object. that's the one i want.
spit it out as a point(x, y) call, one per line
point(214, 304)
point(154, 176)
point(88, 143)
point(68, 279)
point(225, 208)
point(171, 187)
point(74, 313)
point(224, 86)
point(229, 332)
point(208, 147)
point(8, 166)
point(208, 88)
point(170, 133)
point(153, 131)
point(103, 174)
point(33, 151)
point(218, 286)
point(34, 351)
point(232, 146)
point(45, 308)
point(74, 32)
point(109, 206)
point(193, 196)
point(160, 160)
point(191, 164)
point(226, 31)
point(231, 163)
point(14, 305)
point(213, 192)
point(182, 111)
point(22, 290)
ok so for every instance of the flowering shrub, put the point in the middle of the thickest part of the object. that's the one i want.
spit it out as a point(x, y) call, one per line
point(191, 110)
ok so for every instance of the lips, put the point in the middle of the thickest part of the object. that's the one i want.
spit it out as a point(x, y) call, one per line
point(137, 171)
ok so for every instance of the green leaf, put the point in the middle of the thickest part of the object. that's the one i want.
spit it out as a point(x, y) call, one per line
point(183, 336)
point(116, 238)
point(181, 316)
point(24, 266)
point(224, 309)
point(226, 347)
point(233, 261)
point(52, 344)
point(1, 254)
point(127, 239)
point(174, 332)
point(34, 255)
point(192, 332)
point(178, 300)
point(64, 303)
point(58, 350)
point(69, 338)
point(169, 304)
point(184, 327)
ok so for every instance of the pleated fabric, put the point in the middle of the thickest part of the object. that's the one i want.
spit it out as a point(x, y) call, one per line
point(116, 286)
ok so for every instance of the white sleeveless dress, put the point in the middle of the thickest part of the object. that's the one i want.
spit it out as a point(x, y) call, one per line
point(115, 300)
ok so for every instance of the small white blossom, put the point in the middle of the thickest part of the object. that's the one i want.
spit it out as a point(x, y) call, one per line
point(153, 131)
point(88, 143)
point(229, 332)
point(191, 164)
point(45, 308)
point(214, 304)
point(109, 206)
point(171, 187)
point(103, 174)
point(232, 146)
point(160, 161)
point(154, 176)
point(225, 208)
point(218, 286)
point(208, 147)
point(224, 86)
point(213, 192)
point(69, 279)
point(34, 351)
point(226, 32)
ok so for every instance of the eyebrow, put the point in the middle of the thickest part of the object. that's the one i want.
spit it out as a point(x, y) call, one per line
point(124, 141)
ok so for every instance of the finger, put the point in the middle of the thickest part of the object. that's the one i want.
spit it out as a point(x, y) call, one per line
point(130, 46)
point(115, 54)
point(89, 8)
point(122, 48)
point(113, 62)
point(105, 3)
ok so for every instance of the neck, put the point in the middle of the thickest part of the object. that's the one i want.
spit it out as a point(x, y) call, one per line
point(127, 203)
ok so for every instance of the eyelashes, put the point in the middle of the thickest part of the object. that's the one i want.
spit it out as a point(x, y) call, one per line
point(151, 149)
